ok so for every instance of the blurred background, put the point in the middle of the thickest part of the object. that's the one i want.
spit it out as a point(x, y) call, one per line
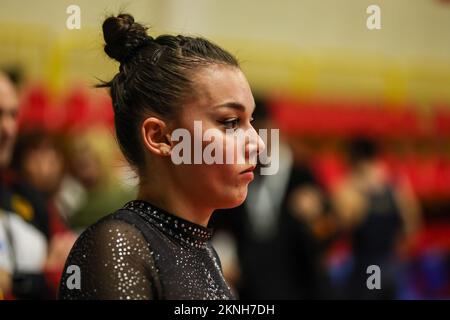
point(364, 119)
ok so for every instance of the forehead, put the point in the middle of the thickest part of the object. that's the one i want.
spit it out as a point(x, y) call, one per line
point(218, 84)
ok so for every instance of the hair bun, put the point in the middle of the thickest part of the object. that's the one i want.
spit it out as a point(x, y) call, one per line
point(123, 36)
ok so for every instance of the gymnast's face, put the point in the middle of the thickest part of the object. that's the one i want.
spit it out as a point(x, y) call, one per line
point(222, 100)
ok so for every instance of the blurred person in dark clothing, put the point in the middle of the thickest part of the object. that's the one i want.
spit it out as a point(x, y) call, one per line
point(278, 252)
point(26, 263)
point(377, 212)
point(38, 162)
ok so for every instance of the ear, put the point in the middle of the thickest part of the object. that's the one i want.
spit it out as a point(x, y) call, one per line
point(156, 137)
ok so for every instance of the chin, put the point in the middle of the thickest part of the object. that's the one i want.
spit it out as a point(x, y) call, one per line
point(235, 201)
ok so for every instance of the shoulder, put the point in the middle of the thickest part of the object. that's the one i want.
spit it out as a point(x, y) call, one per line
point(113, 260)
point(114, 227)
point(100, 243)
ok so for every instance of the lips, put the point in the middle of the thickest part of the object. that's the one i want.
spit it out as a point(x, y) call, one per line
point(250, 169)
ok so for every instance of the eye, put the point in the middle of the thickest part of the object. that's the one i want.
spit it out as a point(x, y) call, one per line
point(230, 123)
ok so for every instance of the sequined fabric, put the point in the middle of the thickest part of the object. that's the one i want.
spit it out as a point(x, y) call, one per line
point(144, 252)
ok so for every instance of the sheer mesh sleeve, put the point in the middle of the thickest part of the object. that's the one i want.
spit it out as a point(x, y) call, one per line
point(114, 262)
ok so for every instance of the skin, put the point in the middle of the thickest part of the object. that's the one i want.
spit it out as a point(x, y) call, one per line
point(222, 100)
point(9, 106)
point(43, 168)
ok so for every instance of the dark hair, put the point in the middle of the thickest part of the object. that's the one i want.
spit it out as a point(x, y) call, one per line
point(362, 149)
point(154, 75)
point(14, 74)
point(31, 140)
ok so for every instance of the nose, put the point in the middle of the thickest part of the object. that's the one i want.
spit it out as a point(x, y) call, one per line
point(255, 145)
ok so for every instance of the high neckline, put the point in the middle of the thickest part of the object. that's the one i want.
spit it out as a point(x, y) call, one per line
point(190, 233)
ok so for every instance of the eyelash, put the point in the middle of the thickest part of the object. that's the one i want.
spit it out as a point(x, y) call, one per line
point(234, 121)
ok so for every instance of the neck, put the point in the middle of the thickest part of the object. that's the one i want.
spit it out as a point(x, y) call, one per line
point(166, 196)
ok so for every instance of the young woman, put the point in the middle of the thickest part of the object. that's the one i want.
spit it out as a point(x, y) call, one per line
point(157, 247)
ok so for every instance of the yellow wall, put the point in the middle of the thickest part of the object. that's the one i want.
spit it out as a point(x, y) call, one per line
point(306, 47)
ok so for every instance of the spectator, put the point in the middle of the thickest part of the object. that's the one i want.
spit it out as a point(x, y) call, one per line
point(29, 266)
point(274, 240)
point(375, 210)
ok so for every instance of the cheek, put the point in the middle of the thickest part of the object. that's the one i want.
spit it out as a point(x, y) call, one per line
point(224, 186)
point(224, 149)
point(223, 172)
point(235, 149)
point(216, 184)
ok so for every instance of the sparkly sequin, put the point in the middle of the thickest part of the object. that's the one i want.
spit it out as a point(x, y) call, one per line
point(144, 252)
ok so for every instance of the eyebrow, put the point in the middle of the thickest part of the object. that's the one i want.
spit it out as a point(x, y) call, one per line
point(234, 105)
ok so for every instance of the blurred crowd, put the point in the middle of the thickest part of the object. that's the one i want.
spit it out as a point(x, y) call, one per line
point(293, 238)
point(52, 186)
point(297, 236)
